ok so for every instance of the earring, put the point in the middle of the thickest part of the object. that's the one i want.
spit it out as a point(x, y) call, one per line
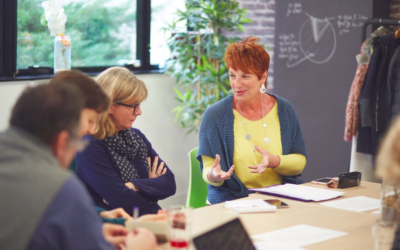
point(263, 88)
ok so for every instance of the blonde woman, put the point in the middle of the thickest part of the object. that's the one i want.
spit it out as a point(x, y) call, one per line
point(120, 167)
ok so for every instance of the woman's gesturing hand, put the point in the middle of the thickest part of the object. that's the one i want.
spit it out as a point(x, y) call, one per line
point(216, 174)
point(268, 161)
point(156, 170)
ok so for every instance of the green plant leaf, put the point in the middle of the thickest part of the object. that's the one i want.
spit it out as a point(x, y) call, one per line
point(177, 115)
point(179, 100)
point(246, 20)
point(212, 74)
point(178, 93)
point(188, 94)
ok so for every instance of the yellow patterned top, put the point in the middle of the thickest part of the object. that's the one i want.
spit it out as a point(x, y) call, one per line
point(245, 155)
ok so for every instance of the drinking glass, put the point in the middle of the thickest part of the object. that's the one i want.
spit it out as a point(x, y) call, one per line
point(180, 225)
point(383, 235)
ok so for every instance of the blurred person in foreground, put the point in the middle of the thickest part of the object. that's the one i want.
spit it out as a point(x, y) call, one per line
point(44, 207)
point(388, 164)
point(251, 138)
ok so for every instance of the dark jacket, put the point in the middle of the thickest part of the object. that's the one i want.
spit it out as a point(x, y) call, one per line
point(375, 107)
point(364, 141)
point(103, 179)
point(394, 86)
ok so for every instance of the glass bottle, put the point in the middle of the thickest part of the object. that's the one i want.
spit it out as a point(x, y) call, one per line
point(62, 53)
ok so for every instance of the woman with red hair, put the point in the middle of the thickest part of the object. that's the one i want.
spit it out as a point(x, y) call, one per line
point(250, 138)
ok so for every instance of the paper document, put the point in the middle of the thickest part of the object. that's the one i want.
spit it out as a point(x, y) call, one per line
point(262, 245)
point(299, 192)
point(247, 203)
point(250, 206)
point(298, 236)
point(247, 210)
point(357, 204)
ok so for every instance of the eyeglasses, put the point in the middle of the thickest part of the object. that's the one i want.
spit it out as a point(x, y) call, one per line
point(134, 107)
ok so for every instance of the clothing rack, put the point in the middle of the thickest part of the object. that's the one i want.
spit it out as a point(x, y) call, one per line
point(376, 21)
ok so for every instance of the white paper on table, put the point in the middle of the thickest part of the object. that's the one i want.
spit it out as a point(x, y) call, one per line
point(247, 203)
point(299, 235)
point(262, 245)
point(376, 212)
point(357, 204)
point(248, 210)
point(300, 192)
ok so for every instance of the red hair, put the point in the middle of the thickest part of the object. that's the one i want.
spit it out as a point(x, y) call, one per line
point(248, 55)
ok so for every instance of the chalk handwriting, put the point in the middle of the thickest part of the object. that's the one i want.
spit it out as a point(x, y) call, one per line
point(293, 8)
point(288, 47)
point(346, 23)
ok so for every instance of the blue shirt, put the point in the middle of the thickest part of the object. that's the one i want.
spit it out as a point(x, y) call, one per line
point(103, 179)
point(70, 222)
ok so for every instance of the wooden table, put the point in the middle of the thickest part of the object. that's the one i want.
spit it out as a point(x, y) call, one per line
point(356, 224)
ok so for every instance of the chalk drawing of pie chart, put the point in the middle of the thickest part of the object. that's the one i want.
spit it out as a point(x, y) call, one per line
point(317, 40)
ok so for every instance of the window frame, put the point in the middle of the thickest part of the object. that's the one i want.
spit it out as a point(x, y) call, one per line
point(9, 38)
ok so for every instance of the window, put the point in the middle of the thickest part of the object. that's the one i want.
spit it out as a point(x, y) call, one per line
point(103, 33)
point(8, 36)
point(161, 13)
point(1, 37)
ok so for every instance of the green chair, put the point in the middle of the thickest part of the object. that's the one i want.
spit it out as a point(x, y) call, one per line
point(197, 192)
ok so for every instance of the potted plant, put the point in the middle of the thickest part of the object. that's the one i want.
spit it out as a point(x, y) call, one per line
point(197, 55)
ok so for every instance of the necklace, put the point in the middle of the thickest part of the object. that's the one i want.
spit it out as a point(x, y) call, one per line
point(248, 136)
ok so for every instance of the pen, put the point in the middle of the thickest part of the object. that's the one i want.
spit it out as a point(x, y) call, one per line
point(135, 217)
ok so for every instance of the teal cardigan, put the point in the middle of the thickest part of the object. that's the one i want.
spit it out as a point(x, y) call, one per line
point(216, 137)
point(120, 221)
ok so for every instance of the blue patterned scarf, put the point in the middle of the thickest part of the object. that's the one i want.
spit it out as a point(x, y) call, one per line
point(125, 147)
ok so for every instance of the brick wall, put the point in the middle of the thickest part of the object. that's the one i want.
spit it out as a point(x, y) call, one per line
point(262, 12)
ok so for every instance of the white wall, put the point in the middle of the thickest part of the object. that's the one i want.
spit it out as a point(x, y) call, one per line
point(156, 122)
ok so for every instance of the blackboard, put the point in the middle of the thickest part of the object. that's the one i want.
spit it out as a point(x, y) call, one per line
point(316, 42)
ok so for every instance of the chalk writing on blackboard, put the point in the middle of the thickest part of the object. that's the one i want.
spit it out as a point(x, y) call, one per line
point(293, 8)
point(317, 38)
point(347, 22)
point(316, 42)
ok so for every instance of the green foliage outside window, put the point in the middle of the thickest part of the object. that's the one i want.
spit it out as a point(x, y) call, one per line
point(94, 29)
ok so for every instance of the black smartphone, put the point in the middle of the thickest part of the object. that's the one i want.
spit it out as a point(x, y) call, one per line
point(277, 203)
point(322, 180)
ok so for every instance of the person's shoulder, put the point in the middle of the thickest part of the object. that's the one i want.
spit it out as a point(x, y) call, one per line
point(138, 132)
point(283, 104)
point(91, 138)
point(94, 146)
point(73, 214)
point(281, 100)
point(73, 189)
point(219, 109)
